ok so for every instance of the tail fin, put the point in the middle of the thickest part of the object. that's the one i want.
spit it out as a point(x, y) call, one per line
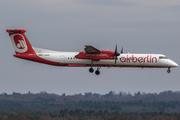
point(20, 42)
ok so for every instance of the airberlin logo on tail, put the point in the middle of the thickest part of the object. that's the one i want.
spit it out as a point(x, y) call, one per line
point(19, 43)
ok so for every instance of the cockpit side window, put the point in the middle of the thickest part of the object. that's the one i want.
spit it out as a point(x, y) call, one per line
point(163, 57)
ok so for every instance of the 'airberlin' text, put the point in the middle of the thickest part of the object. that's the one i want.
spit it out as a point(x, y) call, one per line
point(149, 59)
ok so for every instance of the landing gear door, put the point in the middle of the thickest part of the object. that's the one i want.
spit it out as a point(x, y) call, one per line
point(62, 59)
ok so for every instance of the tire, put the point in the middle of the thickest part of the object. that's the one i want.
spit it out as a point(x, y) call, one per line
point(97, 72)
point(91, 70)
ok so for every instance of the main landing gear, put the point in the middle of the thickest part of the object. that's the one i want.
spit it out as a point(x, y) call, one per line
point(168, 71)
point(91, 70)
point(97, 72)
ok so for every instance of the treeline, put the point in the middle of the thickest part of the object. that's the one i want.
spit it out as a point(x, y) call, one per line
point(120, 106)
point(79, 114)
point(111, 96)
point(90, 106)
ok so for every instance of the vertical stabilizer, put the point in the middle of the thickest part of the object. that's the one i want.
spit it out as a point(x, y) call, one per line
point(20, 42)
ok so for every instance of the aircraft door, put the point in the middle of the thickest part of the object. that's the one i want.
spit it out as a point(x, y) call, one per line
point(62, 59)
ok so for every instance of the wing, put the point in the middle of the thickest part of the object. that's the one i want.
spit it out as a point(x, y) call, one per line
point(91, 49)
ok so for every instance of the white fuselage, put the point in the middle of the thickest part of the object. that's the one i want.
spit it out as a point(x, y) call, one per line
point(124, 60)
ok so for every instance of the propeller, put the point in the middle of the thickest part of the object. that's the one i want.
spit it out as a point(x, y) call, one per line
point(117, 53)
point(121, 50)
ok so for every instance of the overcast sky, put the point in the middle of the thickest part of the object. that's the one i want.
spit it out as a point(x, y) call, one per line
point(139, 26)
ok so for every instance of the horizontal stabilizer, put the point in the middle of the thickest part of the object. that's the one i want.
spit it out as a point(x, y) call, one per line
point(16, 31)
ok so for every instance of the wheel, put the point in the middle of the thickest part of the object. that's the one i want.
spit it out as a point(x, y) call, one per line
point(91, 70)
point(168, 71)
point(97, 72)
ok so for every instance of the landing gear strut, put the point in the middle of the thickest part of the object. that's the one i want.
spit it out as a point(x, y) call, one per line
point(168, 71)
point(91, 70)
point(97, 71)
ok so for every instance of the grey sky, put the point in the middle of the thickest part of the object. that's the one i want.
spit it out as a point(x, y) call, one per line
point(67, 25)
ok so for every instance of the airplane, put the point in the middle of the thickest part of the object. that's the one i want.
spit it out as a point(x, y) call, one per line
point(90, 57)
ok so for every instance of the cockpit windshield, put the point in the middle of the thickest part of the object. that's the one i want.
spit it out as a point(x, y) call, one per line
point(163, 57)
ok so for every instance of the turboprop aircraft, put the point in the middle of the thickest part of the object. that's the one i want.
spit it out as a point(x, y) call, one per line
point(90, 57)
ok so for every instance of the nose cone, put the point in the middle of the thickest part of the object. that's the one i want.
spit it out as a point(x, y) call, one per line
point(172, 64)
point(175, 64)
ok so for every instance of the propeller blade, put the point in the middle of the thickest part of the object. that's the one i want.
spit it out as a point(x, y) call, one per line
point(121, 50)
point(116, 54)
point(115, 49)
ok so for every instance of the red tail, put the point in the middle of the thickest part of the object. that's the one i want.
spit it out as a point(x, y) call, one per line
point(20, 42)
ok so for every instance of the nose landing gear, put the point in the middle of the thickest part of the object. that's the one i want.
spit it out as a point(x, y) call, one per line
point(168, 71)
